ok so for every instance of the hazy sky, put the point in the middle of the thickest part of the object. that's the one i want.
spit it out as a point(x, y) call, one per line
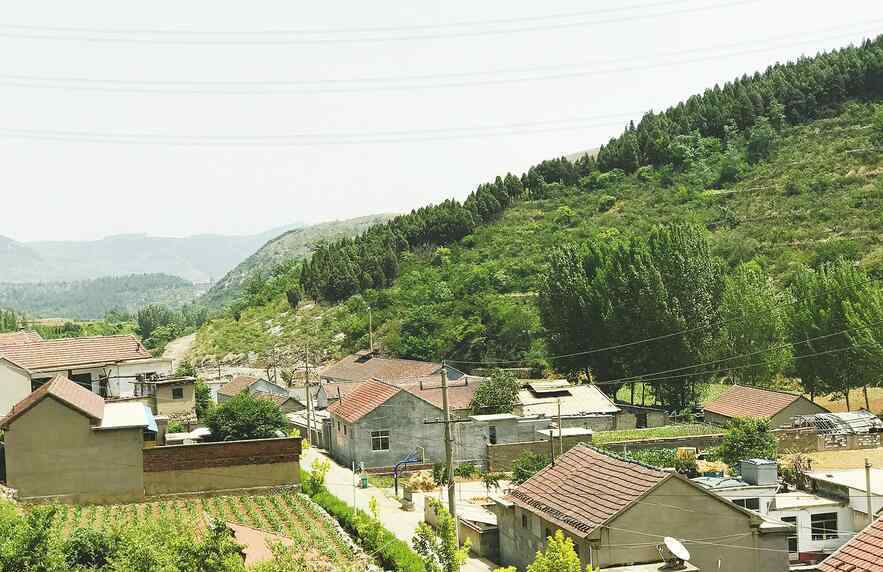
point(343, 109)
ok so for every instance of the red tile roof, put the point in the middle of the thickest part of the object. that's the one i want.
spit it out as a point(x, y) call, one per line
point(460, 391)
point(366, 398)
point(741, 401)
point(333, 390)
point(585, 489)
point(361, 367)
point(237, 385)
point(863, 552)
point(24, 336)
point(65, 391)
point(70, 352)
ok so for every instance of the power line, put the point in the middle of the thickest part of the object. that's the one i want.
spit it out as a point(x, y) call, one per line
point(387, 83)
point(173, 37)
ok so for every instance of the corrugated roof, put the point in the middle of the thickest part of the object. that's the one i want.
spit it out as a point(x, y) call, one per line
point(70, 352)
point(364, 367)
point(741, 401)
point(22, 337)
point(237, 385)
point(863, 552)
point(369, 396)
point(585, 488)
point(65, 391)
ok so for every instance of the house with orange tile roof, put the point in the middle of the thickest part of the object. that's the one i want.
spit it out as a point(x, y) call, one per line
point(862, 553)
point(617, 511)
point(366, 366)
point(65, 443)
point(107, 365)
point(778, 407)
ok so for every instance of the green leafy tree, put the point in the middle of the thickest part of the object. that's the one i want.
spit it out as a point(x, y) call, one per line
point(203, 397)
point(246, 417)
point(747, 439)
point(496, 395)
point(527, 465)
point(89, 548)
point(558, 556)
point(761, 140)
point(877, 129)
point(438, 546)
point(29, 542)
point(756, 327)
point(150, 318)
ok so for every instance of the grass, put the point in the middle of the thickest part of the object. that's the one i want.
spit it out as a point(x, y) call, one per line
point(285, 514)
point(685, 430)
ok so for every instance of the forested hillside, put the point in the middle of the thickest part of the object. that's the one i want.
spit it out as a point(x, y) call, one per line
point(293, 245)
point(92, 299)
point(767, 178)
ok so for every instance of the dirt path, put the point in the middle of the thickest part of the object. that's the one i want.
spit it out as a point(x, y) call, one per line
point(179, 349)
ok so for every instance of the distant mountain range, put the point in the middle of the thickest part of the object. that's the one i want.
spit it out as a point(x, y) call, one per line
point(294, 244)
point(199, 258)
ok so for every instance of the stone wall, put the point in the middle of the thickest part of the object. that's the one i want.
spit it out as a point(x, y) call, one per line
point(221, 466)
point(805, 440)
point(500, 457)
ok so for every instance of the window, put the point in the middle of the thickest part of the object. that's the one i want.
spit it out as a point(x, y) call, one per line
point(824, 526)
point(492, 434)
point(750, 504)
point(792, 538)
point(640, 420)
point(548, 533)
point(177, 393)
point(380, 440)
point(344, 430)
point(523, 520)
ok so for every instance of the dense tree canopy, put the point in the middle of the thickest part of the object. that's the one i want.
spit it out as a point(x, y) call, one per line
point(245, 417)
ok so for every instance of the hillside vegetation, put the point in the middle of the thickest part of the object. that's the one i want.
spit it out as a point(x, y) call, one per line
point(93, 299)
point(295, 244)
point(778, 170)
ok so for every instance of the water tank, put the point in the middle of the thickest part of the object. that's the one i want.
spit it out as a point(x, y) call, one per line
point(759, 471)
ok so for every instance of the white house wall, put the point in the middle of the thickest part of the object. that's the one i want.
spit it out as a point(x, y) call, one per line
point(15, 385)
point(805, 543)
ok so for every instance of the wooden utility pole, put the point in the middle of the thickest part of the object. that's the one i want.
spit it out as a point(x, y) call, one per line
point(868, 490)
point(449, 449)
point(309, 397)
point(560, 431)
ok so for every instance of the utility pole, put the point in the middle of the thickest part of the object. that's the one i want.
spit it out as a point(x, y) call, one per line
point(868, 492)
point(309, 397)
point(449, 452)
point(560, 431)
point(370, 330)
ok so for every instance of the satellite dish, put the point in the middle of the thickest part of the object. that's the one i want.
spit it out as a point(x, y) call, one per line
point(677, 549)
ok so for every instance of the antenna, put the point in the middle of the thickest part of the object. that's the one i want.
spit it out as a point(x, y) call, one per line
point(674, 553)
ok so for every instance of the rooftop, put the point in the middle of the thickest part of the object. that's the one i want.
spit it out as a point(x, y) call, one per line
point(575, 400)
point(741, 401)
point(567, 432)
point(237, 385)
point(127, 414)
point(852, 478)
point(63, 390)
point(863, 552)
point(852, 422)
point(722, 483)
point(365, 366)
point(369, 396)
point(460, 391)
point(567, 493)
point(337, 390)
point(800, 499)
point(68, 352)
point(21, 337)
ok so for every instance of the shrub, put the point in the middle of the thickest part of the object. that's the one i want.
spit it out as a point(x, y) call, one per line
point(246, 417)
point(439, 473)
point(466, 471)
point(527, 465)
point(821, 184)
point(88, 548)
point(747, 439)
point(605, 203)
point(315, 480)
point(564, 216)
point(793, 188)
point(175, 427)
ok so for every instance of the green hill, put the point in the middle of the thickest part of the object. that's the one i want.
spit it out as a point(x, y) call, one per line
point(780, 167)
point(292, 245)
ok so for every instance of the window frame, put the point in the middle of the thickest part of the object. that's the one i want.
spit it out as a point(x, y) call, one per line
point(379, 436)
point(823, 533)
point(492, 434)
point(176, 391)
point(745, 501)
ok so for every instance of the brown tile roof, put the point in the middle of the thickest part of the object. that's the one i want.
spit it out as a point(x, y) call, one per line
point(332, 390)
point(65, 391)
point(361, 367)
point(863, 552)
point(277, 399)
point(585, 489)
point(742, 401)
point(460, 391)
point(237, 385)
point(69, 352)
point(24, 336)
point(365, 399)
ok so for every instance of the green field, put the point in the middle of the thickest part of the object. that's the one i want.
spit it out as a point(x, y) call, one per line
point(686, 430)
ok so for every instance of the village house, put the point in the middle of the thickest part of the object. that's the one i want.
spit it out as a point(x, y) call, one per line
point(583, 406)
point(617, 511)
point(862, 553)
point(64, 442)
point(755, 490)
point(778, 407)
point(299, 398)
point(173, 398)
point(366, 366)
point(107, 365)
point(252, 385)
point(286, 403)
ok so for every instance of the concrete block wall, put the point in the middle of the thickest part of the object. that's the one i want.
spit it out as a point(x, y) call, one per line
point(501, 456)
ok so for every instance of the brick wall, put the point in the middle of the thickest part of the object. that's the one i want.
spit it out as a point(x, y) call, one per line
point(501, 456)
point(226, 454)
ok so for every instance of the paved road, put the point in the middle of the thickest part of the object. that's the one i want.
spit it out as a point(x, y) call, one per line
point(177, 350)
point(401, 523)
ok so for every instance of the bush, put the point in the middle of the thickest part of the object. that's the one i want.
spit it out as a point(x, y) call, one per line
point(605, 203)
point(527, 465)
point(747, 439)
point(88, 548)
point(439, 473)
point(175, 427)
point(564, 216)
point(246, 417)
point(793, 188)
point(466, 471)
